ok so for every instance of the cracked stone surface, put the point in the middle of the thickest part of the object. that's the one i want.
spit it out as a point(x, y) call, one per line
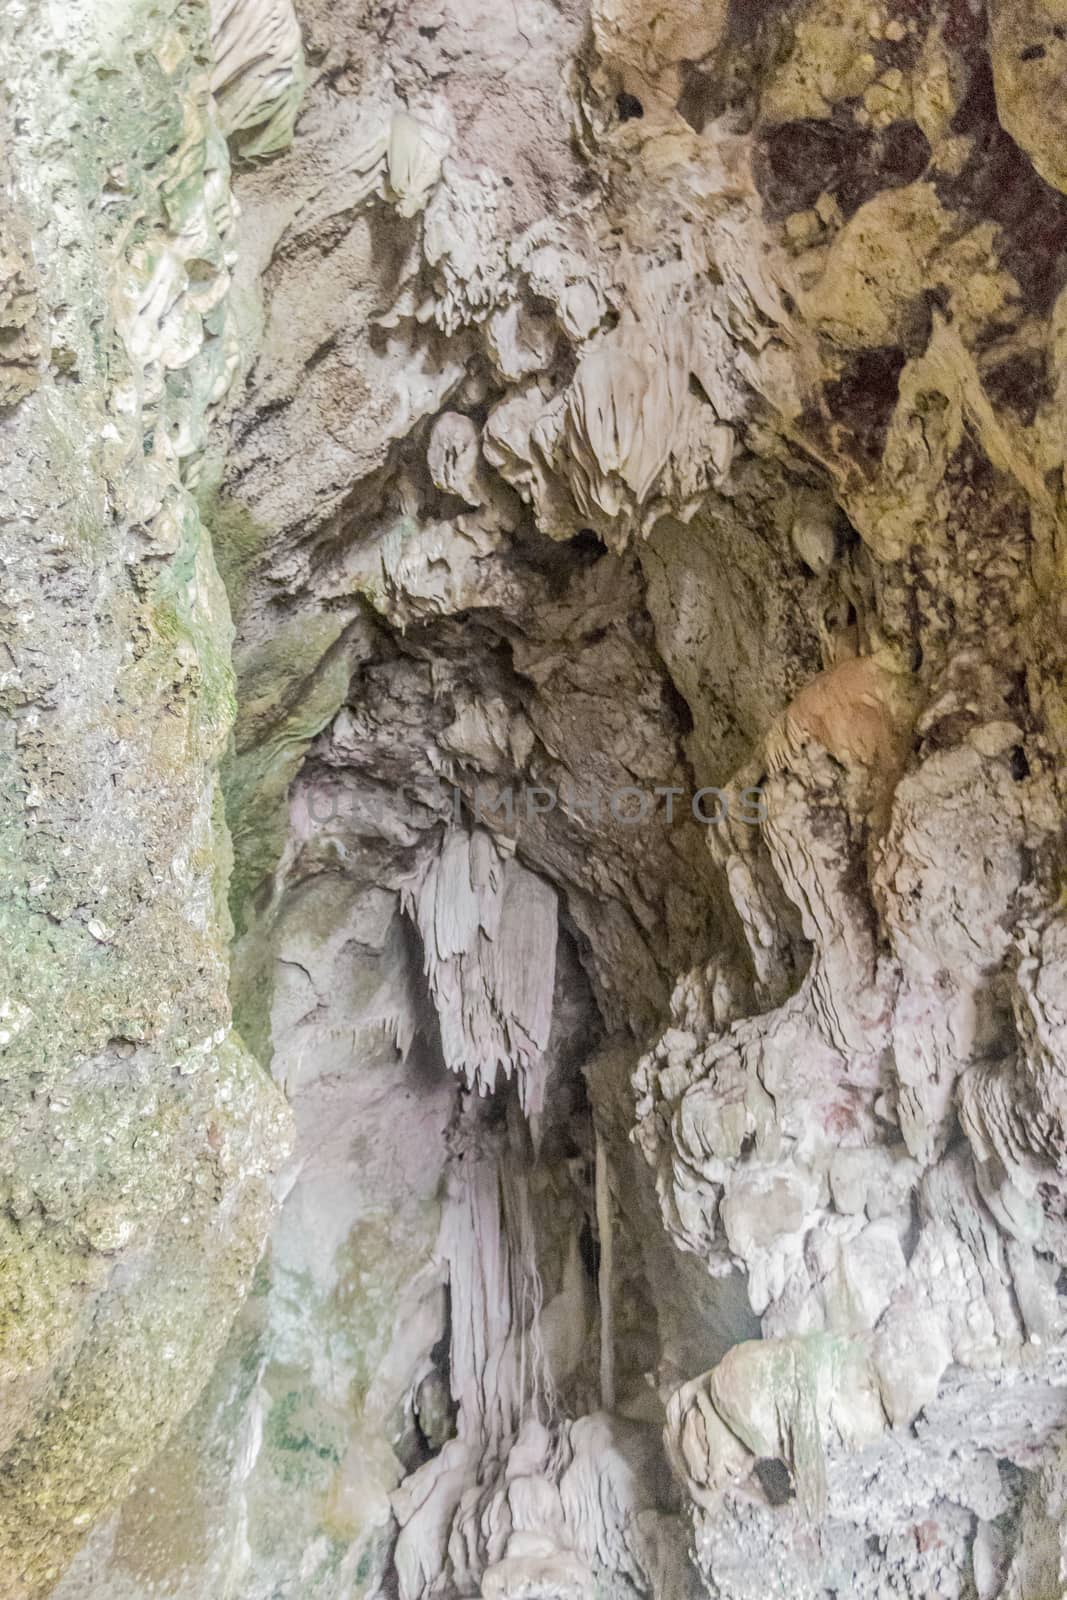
point(533, 807)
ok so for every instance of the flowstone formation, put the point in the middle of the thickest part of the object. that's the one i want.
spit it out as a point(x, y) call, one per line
point(631, 440)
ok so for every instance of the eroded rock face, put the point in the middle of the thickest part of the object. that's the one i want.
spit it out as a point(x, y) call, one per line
point(138, 1134)
point(641, 508)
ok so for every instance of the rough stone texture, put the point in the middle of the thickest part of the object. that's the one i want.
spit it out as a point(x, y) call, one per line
point(630, 400)
point(137, 1133)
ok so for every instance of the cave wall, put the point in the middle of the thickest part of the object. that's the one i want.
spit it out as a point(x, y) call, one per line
point(138, 1133)
point(586, 401)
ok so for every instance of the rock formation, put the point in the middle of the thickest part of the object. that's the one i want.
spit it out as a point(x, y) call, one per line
point(534, 1015)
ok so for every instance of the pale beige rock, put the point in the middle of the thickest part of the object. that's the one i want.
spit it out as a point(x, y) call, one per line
point(646, 41)
point(1029, 57)
point(633, 400)
point(258, 73)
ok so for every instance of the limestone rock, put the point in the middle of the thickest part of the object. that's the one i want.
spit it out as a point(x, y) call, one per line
point(138, 1136)
point(1029, 63)
point(258, 73)
point(632, 439)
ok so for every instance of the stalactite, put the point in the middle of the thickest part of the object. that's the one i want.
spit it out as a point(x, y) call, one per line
point(488, 929)
point(604, 1275)
point(536, 1391)
point(485, 1345)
